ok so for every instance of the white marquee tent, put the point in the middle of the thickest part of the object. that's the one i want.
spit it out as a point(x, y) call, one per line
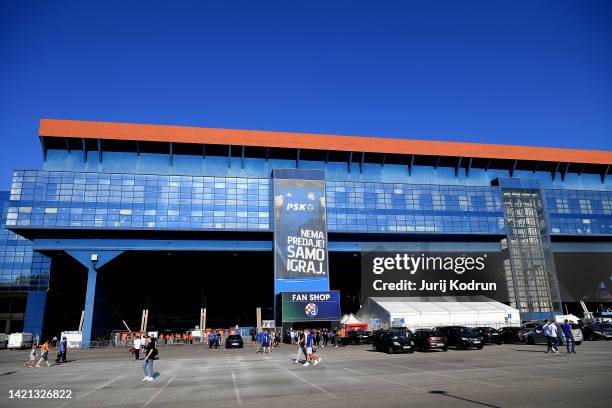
point(427, 312)
point(350, 319)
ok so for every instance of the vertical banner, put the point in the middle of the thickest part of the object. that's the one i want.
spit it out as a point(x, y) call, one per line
point(300, 231)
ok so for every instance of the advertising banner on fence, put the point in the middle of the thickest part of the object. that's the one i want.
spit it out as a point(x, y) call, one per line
point(73, 337)
point(300, 234)
point(428, 273)
point(310, 306)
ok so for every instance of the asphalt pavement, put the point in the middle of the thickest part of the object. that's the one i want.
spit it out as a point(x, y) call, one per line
point(193, 376)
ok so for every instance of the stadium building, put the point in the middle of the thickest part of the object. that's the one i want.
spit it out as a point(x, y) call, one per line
point(127, 221)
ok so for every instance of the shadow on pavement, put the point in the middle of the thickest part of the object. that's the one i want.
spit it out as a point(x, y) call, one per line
point(446, 394)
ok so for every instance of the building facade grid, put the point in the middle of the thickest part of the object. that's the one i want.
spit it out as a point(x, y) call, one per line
point(21, 269)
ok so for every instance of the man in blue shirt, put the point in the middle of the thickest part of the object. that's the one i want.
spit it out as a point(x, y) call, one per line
point(211, 340)
point(62, 350)
point(265, 342)
point(310, 358)
point(569, 337)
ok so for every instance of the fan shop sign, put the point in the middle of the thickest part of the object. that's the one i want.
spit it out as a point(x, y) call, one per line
point(310, 306)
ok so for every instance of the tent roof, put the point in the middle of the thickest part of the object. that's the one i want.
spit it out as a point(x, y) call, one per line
point(441, 305)
point(350, 319)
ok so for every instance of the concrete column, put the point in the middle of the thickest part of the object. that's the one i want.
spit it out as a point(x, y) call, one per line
point(142, 320)
point(90, 296)
point(146, 320)
point(258, 316)
point(202, 318)
point(7, 326)
point(81, 321)
point(86, 259)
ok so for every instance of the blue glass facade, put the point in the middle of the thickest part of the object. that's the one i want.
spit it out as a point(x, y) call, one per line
point(54, 199)
point(575, 212)
point(400, 207)
point(62, 199)
point(21, 269)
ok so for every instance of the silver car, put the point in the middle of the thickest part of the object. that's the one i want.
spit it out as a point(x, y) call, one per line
point(536, 334)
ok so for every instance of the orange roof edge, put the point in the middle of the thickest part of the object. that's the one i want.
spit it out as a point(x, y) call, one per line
point(185, 134)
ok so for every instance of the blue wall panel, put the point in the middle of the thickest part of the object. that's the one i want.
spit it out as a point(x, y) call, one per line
point(35, 313)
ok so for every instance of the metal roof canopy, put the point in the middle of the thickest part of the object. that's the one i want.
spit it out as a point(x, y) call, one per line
point(175, 140)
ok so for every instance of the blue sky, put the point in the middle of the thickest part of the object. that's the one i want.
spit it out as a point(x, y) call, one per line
point(518, 72)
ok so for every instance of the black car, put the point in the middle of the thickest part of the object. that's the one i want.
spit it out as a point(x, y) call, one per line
point(234, 341)
point(601, 331)
point(358, 337)
point(489, 334)
point(393, 341)
point(461, 337)
point(510, 335)
point(426, 340)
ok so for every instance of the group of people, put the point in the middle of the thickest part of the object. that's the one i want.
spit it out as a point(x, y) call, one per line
point(176, 338)
point(322, 337)
point(44, 353)
point(552, 339)
point(214, 339)
point(307, 347)
point(265, 340)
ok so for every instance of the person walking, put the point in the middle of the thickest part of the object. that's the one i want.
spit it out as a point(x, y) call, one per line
point(265, 342)
point(44, 354)
point(63, 349)
point(211, 340)
point(325, 337)
point(137, 347)
point(555, 336)
point(570, 343)
point(311, 356)
point(32, 361)
point(301, 343)
point(150, 353)
point(551, 337)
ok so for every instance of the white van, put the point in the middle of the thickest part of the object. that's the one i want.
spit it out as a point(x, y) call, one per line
point(20, 341)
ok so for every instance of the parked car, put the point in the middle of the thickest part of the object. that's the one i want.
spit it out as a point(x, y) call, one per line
point(393, 341)
point(536, 335)
point(530, 325)
point(20, 341)
point(234, 341)
point(489, 334)
point(3, 341)
point(601, 331)
point(509, 335)
point(358, 337)
point(460, 337)
point(426, 340)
